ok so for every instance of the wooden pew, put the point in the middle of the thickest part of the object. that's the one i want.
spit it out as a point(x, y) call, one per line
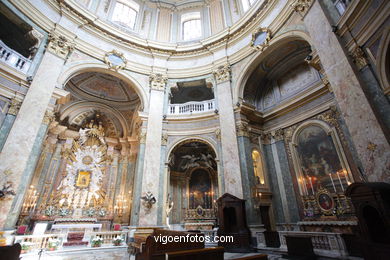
point(153, 249)
point(213, 253)
point(253, 257)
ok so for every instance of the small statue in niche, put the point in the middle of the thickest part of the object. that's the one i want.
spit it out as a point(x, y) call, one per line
point(169, 209)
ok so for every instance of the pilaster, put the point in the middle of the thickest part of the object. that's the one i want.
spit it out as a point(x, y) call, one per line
point(230, 157)
point(15, 156)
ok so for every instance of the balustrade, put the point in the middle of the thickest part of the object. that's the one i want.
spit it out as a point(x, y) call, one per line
point(192, 107)
point(13, 58)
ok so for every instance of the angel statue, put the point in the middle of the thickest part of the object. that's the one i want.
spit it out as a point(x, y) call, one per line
point(190, 162)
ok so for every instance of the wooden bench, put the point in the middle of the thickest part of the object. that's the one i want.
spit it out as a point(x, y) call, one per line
point(253, 257)
point(152, 249)
point(212, 253)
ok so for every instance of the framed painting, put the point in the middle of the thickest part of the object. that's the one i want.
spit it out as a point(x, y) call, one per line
point(83, 179)
point(325, 202)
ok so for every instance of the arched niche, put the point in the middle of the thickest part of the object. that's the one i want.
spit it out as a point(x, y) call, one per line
point(319, 160)
point(276, 43)
point(383, 61)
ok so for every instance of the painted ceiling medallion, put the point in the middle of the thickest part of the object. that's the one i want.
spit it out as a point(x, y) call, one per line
point(115, 60)
point(261, 38)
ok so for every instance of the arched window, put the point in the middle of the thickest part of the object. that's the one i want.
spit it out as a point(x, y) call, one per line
point(191, 26)
point(258, 168)
point(125, 13)
point(246, 4)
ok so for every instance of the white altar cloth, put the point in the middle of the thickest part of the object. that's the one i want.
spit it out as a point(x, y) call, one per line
point(81, 225)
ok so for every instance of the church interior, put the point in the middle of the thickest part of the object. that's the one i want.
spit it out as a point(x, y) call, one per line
point(245, 129)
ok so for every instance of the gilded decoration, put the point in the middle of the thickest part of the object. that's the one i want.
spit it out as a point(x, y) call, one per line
point(222, 73)
point(260, 39)
point(48, 117)
point(115, 60)
point(157, 81)
point(14, 107)
point(359, 57)
point(301, 6)
point(315, 149)
point(59, 45)
point(81, 185)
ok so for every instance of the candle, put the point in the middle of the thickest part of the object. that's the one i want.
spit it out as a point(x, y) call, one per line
point(304, 187)
point(330, 176)
point(341, 184)
point(311, 184)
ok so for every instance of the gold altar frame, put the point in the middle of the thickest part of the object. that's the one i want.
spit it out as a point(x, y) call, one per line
point(83, 179)
point(212, 186)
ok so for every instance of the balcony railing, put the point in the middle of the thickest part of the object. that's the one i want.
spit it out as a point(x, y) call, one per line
point(13, 58)
point(192, 107)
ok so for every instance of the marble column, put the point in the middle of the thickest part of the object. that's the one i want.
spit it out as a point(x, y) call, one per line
point(152, 161)
point(19, 145)
point(247, 172)
point(163, 185)
point(230, 157)
point(369, 141)
point(9, 121)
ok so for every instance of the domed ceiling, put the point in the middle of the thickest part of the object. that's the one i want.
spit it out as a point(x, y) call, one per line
point(105, 88)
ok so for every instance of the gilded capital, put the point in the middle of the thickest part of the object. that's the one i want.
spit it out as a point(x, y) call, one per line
point(59, 45)
point(14, 107)
point(222, 73)
point(157, 81)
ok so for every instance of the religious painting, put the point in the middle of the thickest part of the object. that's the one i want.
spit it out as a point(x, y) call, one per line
point(325, 202)
point(200, 189)
point(83, 179)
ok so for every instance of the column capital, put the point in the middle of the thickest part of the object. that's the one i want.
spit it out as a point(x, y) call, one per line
point(157, 81)
point(48, 117)
point(59, 45)
point(359, 57)
point(14, 107)
point(222, 73)
point(301, 6)
point(242, 129)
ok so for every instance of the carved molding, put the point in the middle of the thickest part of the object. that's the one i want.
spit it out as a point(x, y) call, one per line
point(37, 36)
point(222, 73)
point(157, 81)
point(209, 82)
point(14, 107)
point(276, 135)
point(359, 57)
point(142, 136)
point(59, 45)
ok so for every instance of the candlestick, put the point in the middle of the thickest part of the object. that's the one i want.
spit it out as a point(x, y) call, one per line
point(311, 184)
point(341, 184)
point(334, 187)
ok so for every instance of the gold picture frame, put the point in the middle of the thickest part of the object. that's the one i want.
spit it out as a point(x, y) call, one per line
point(325, 201)
point(115, 60)
point(83, 179)
point(260, 38)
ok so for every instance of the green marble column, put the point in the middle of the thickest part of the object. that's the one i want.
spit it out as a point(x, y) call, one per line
point(8, 121)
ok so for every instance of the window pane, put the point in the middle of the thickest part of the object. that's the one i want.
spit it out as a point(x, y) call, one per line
point(192, 29)
point(124, 15)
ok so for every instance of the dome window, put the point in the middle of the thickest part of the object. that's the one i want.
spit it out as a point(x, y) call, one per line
point(125, 13)
point(246, 4)
point(191, 26)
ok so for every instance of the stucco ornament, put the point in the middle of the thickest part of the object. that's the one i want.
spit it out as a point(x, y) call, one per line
point(115, 60)
point(148, 200)
point(261, 38)
point(301, 6)
point(222, 73)
point(60, 45)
